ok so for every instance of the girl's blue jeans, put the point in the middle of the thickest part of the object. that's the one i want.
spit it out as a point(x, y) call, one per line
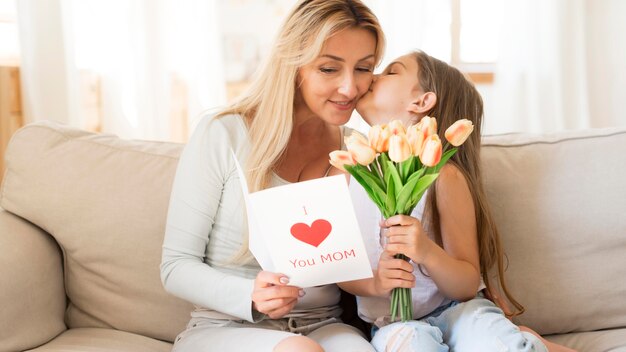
point(477, 325)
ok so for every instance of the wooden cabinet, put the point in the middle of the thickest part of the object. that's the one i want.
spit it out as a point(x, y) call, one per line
point(11, 117)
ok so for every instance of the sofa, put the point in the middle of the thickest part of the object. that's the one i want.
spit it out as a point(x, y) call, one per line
point(82, 220)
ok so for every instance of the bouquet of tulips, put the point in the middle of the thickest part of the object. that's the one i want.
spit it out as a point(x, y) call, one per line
point(395, 167)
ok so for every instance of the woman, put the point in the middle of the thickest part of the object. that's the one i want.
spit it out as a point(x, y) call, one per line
point(282, 130)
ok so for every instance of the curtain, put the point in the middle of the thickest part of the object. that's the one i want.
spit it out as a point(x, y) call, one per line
point(154, 64)
point(561, 66)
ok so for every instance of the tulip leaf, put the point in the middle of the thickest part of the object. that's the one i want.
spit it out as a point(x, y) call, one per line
point(421, 187)
point(391, 169)
point(374, 167)
point(373, 196)
point(378, 195)
point(412, 192)
point(446, 156)
point(367, 174)
point(383, 158)
point(417, 165)
point(405, 168)
point(390, 201)
point(405, 194)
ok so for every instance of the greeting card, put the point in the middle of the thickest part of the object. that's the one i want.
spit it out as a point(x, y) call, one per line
point(307, 231)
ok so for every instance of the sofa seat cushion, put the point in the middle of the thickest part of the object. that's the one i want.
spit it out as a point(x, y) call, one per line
point(613, 340)
point(105, 340)
point(104, 200)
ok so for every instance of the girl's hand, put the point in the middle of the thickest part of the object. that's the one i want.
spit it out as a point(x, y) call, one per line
point(405, 235)
point(392, 273)
point(272, 296)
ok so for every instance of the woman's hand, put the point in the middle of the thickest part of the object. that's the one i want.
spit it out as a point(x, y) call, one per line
point(405, 235)
point(272, 296)
point(392, 273)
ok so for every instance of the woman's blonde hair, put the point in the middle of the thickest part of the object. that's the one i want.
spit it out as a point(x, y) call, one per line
point(267, 107)
point(458, 98)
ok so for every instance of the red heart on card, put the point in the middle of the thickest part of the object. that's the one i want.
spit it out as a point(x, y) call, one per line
point(314, 234)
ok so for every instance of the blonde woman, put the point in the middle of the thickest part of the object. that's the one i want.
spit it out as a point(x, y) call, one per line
point(282, 130)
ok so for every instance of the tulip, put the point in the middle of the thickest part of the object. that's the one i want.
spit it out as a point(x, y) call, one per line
point(428, 125)
point(399, 149)
point(415, 138)
point(340, 158)
point(396, 127)
point(360, 149)
point(379, 138)
point(431, 155)
point(355, 137)
point(458, 133)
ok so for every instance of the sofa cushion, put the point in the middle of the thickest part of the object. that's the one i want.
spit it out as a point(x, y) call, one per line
point(95, 340)
point(595, 341)
point(104, 200)
point(31, 274)
point(559, 200)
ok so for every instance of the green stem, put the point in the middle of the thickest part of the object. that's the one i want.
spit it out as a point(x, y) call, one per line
point(375, 168)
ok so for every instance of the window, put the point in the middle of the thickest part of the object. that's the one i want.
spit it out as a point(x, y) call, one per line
point(9, 43)
point(474, 37)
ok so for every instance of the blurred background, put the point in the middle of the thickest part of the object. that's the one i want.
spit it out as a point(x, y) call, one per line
point(148, 69)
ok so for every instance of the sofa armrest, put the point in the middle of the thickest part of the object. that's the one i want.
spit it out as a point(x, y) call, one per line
point(32, 295)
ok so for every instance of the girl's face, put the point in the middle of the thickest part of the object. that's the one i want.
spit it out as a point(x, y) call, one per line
point(392, 93)
point(330, 86)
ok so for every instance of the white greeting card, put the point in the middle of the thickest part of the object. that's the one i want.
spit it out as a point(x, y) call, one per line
point(307, 231)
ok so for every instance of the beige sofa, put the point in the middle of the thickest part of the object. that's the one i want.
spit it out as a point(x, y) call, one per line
point(83, 220)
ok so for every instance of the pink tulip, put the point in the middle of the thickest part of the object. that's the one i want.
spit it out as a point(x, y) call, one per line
point(428, 125)
point(415, 138)
point(339, 158)
point(399, 149)
point(379, 138)
point(431, 155)
point(360, 149)
point(396, 127)
point(458, 133)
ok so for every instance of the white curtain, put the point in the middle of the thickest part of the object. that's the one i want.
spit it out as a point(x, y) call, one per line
point(562, 65)
point(412, 25)
point(158, 61)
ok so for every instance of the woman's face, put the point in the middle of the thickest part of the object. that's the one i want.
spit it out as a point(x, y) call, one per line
point(392, 92)
point(330, 86)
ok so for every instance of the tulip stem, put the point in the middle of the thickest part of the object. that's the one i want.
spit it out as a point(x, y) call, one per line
point(375, 168)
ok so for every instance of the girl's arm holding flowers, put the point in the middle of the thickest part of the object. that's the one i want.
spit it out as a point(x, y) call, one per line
point(455, 267)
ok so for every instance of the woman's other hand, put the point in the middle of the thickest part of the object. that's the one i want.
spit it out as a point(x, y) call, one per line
point(272, 296)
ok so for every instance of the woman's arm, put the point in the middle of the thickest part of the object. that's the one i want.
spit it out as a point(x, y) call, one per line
point(196, 195)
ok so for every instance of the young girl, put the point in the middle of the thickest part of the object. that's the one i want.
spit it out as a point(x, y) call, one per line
point(450, 238)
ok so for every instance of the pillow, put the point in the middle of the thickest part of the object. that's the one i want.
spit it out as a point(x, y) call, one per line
point(104, 200)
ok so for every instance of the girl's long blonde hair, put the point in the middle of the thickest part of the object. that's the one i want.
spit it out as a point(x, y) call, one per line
point(267, 107)
point(458, 98)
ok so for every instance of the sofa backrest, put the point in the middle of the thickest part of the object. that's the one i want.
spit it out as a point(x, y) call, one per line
point(104, 200)
point(559, 201)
